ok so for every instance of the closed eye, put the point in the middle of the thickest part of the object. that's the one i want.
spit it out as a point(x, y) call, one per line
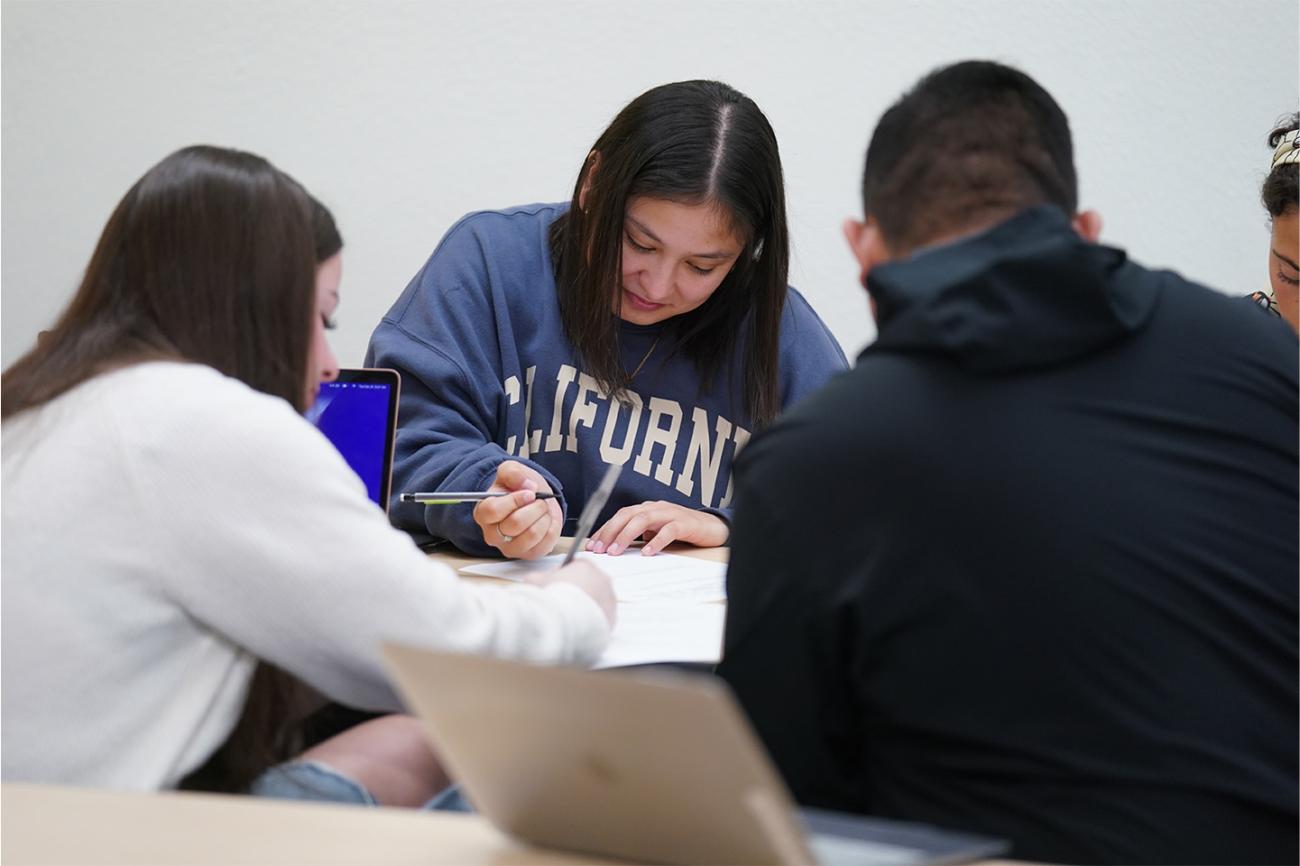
point(636, 246)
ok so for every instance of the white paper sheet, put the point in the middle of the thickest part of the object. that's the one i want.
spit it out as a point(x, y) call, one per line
point(650, 633)
point(666, 577)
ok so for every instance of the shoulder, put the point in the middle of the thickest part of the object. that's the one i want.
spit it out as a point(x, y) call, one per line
point(190, 394)
point(482, 261)
point(809, 351)
point(192, 420)
point(802, 327)
point(1229, 326)
point(521, 226)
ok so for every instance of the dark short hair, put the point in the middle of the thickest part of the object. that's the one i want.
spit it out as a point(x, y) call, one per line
point(692, 142)
point(969, 145)
point(1281, 190)
point(207, 258)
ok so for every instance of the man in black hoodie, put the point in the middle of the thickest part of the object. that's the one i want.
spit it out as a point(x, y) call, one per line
point(1030, 568)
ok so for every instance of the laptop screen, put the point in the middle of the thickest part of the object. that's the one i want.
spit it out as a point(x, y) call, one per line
point(358, 413)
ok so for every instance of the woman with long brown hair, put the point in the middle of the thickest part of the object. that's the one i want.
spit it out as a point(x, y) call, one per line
point(645, 322)
point(187, 561)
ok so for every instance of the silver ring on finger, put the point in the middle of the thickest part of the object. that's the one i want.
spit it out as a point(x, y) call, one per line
point(505, 538)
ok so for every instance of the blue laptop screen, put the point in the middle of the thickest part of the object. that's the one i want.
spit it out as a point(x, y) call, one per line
point(357, 417)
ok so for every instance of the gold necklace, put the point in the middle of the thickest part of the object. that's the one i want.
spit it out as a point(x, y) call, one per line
point(645, 357)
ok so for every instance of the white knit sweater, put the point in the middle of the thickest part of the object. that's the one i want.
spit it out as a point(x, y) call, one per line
point(163, 528)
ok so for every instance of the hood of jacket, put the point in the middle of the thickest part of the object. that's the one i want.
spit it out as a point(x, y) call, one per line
point(1028, 292)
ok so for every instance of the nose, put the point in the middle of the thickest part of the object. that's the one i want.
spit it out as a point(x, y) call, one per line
point(329, 364)
point(657, 282)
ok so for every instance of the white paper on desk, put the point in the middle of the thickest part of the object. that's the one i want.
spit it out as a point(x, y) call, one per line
point(665, 577)
point(650, 633)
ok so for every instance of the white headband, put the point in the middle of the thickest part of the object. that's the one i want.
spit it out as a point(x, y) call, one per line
point(1288, 150)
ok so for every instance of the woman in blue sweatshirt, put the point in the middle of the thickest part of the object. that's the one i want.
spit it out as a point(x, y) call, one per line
point(647, 322)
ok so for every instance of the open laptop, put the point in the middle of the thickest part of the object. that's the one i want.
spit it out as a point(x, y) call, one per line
point(652, 766)
point(358, 413)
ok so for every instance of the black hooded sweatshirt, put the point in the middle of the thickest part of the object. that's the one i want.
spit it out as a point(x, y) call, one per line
point(1030, 568)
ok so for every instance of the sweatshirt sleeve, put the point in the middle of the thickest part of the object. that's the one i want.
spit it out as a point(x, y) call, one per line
point(271, 542)
point(450, 337)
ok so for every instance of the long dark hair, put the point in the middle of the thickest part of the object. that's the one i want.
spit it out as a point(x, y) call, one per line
point(325, 233)
point(209, 258)
point(692, 142)
point(1281, 190)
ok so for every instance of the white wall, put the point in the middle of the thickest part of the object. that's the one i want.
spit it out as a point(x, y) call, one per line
point(402, 116)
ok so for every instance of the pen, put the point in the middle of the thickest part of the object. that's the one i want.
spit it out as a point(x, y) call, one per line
point(594, 504)
point(450, 497)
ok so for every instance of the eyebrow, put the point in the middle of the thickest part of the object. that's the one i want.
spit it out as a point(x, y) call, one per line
point(1275, 252)
point(719, 254)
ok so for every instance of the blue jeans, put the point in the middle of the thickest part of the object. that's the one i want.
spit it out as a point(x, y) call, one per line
point(312, 780)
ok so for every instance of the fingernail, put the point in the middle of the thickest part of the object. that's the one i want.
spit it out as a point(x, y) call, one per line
point(598, 546)
point(529, 496)
point(530, 484)
point(613, 550)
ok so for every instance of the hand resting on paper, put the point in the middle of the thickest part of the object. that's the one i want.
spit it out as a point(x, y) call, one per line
point(659, 524)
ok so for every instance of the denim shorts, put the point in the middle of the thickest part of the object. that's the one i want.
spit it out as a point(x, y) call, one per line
point(312, 780)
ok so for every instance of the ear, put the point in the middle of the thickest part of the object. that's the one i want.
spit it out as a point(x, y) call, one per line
point(1088, 225)
point(593, 162)
point(866, 244)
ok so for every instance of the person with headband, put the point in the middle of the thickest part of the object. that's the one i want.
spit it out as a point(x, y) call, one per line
point(1282, 201)
point(646, 322)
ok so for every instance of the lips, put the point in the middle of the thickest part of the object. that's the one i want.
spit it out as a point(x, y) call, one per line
point(637, 302)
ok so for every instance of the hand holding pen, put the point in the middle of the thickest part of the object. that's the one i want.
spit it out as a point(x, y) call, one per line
point(524, 522)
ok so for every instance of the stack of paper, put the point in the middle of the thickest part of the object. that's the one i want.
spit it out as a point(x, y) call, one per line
point(669, 606)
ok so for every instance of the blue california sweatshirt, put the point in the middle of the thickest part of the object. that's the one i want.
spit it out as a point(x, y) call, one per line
point(488, 375)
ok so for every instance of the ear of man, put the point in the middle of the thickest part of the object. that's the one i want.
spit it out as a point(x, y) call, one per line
point(869, 248)
point(1088, 224)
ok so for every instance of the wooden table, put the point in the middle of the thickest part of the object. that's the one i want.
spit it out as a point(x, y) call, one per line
point(455, 559)
point(48, 824)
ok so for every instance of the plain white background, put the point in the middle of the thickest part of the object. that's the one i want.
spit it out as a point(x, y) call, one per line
point(403, 116)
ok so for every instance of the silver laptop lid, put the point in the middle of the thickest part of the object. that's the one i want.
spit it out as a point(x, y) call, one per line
point(649, 766)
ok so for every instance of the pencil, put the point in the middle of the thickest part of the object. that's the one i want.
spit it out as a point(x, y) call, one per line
point(452, 497)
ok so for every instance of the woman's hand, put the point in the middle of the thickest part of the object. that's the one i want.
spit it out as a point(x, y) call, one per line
point(659, 524)
point(586, 577)
point(521, 526)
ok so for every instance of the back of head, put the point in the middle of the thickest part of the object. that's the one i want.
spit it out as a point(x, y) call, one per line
point(208, 258)
point(967, 147)
point(691, 142)
point(1281, 189)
